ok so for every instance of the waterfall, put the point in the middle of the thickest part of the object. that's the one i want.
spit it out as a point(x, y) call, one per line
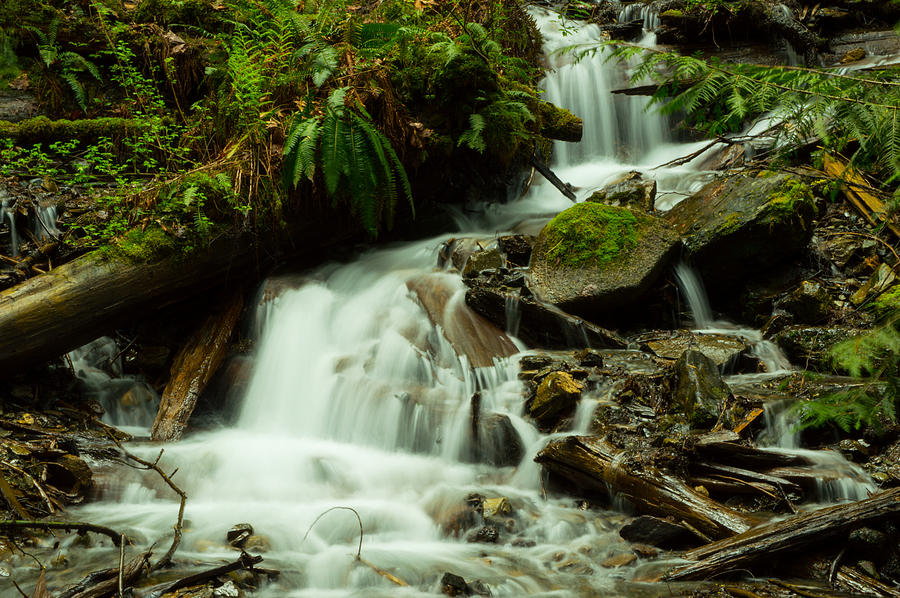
point(10, 214)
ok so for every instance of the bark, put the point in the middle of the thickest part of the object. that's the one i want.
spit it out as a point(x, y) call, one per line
point(564, 188)
point(72, 304)
point(194, 367)
point(595, 465)
point(106, 583)
point(772, 540)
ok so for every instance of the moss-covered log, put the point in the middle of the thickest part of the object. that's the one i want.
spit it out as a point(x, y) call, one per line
point(559, 123)
point(42, 129)
point(58, 311)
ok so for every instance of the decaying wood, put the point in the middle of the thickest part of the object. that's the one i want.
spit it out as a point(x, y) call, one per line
point(68, 526)
point(245, 561)
point(104, 583)
point(773, 539)
point(860, 583)
point(564, 188)
point(857, 191)
point(194, 367)
point(595, 465)
point(53, 313)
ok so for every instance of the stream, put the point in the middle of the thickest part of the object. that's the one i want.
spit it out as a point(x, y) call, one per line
point(358, 400)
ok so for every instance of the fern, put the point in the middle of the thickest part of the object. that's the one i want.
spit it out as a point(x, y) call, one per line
point(473, 137)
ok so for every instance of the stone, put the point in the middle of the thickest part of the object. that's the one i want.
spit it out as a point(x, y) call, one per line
point(654, 531)
point(517, 248)
point(700, 393)
point(619, 560)
point(485, 259)
point(808, 347)
point(744, 224)
point(720, 348)
point(809, 303)
point(454, 585)
point(499, 444)
point(881, 279)
point(593, 258)
point(238, 535)
point(645, 551)
point(257, 543)
point(854, 55)
point(489, 534)
point(631, 190)
point(496, 507)
point(556, 396)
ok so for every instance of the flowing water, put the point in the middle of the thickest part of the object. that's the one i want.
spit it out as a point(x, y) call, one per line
point(357, 399)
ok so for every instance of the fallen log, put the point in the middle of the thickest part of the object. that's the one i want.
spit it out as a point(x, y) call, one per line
point(67, 526)
point(194, 367)
point(105, 583)
point(564, 188)
point(53, 313)
point(245, 561)
point(595, 465)
point(765, 541)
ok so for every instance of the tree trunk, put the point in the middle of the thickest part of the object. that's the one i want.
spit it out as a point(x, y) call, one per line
point(765, 541)
point(194, 367)
point(595, 465)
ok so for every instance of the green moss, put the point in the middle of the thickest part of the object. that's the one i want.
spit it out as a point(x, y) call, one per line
point(886, 303)
point(592, 234)
point(42, 129)
point(732, 223)
point(784, 203)
point(673, 13)
point(558, 123)
point(146, 245)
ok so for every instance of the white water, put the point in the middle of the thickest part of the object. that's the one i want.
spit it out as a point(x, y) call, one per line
point(358, 400)
point(9, 214)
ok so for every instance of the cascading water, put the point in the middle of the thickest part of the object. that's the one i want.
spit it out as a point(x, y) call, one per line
point(9, 214)
point(359, 398)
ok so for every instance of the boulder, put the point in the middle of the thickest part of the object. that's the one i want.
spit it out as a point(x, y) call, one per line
point(744, 224)
point(647, 529)
point(722, 349)
point(809, 303)
point(557, 395)
point(700, 392)
point(592, 258)
point(510, 306)
point(498, 443)
point(517, 248)
point(631, 190)
point(486, 259)
point(808, 346)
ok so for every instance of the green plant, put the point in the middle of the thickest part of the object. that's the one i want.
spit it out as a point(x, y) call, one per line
point(356, 161)
point(66, 64)
point(874, 357)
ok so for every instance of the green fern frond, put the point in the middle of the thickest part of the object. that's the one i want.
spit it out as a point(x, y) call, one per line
point(473, 137)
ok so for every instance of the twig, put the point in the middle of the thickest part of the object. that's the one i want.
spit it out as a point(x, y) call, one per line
point(358, 518)
point(122, 568)
point(18, 588)
point(832, 571)
point(176, 540)
point(797, 590)
point(33, 481)
point(245, 561)
point(68, 526)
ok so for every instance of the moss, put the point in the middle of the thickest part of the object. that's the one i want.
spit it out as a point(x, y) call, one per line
point(558, 123)
point(41, 128)
point(592, 234)
point(732, 223)
point(784, 203)
point(672, 13)
point(146, 245)
point(886, 303)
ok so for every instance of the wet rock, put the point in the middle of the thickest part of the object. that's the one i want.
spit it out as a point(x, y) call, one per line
point(517, 248)
point(69, 474)
point(631, 191)
point(720, 348)
point(17, 105)
point(257, 544)
point(854, 55)
point(489, 534)
point(645, 551)
point(842, 250)
point(700, 392)
point(455, 252)
point(654, 531)
point(881, 279)
point(237, 536)
point(486, 259)
point(454, 585)
point(535, 323)
point(592, 258)
point(619, 560)
point(493, 508)
point(498, 443)
point(807, 346)
point(557, 395)
point(866, 542)
point(809, 303)
point(730, 156)
point(744, 224)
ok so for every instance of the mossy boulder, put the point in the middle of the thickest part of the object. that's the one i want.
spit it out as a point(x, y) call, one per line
point(594, 257)
point(744, 224)
point(556, 396)
point(809, 347)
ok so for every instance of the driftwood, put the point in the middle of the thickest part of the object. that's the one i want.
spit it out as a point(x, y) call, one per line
point(564, 188)
point(765, 541)
point(595, 465)
point(194, 367)
point(72, 304)
point(245, 561)
point(105, 583)
point(68, 526)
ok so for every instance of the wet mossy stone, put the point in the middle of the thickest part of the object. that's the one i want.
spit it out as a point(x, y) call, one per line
point(744, 224)
point(700, 393)
point(593, 257)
